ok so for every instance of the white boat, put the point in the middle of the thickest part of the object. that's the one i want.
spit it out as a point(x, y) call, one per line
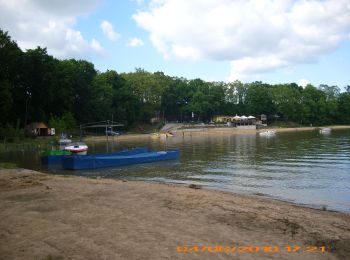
point(325, 131)
point(64, 140)
point(77, 148)
point(162, 135)
point(268, 133)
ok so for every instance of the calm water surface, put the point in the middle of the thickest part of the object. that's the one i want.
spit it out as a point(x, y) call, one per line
point(305, 168)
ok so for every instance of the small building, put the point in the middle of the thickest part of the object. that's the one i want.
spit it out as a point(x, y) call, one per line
point(224, 119)
point(263, 120)
point(155, 120)
point(235, 120)
point(38, 129)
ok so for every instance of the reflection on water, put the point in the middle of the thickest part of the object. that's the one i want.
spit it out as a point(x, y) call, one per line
point(302, 167)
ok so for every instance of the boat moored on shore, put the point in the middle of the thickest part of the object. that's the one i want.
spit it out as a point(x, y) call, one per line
point(81, 162)
point(268, 133)
point(77, 148)
point(325, 130)
point(53, 156)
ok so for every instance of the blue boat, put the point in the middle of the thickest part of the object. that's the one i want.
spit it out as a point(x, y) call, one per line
point(55, 157)
point(81, 162)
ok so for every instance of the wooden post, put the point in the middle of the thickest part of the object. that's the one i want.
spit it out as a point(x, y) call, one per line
point(106, 138)
point(112, 134)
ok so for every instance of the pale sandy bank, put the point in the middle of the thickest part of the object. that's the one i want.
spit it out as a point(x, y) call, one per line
point(54, 217)
point(205, 131)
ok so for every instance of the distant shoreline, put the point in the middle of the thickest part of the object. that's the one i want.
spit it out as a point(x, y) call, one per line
point(209, 131)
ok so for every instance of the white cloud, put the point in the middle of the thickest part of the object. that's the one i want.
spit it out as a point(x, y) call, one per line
point(107, 29)
point(303, 83)
point(97, 46)
point(249, 68)
point(139, 2)
point(255, 36)
point(49, 24)
point(135, 42)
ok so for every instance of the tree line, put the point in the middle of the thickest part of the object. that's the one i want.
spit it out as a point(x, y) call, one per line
point(35, 86)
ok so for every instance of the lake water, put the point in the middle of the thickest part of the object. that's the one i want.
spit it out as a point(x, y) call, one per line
point(301, 167)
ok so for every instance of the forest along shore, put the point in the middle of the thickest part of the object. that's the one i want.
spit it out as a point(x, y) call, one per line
point(207, 130)
point(57, 217)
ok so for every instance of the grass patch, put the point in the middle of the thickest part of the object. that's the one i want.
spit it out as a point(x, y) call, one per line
point(28, 144)
point(7, 165)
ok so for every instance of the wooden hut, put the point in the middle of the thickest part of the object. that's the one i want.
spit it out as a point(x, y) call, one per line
point(38, 129)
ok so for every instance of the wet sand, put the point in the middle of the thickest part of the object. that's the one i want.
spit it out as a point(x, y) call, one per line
point(58, 217)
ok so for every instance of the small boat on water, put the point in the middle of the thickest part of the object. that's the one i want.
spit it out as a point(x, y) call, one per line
point(162, 135)
point(325, 130)
point(77, 148)
point(81, 162)
point(64, 140)
point(53, 156)
point(268, 133)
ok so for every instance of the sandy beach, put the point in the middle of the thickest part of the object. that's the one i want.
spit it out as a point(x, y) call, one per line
point(66, 217)
point(207, 131)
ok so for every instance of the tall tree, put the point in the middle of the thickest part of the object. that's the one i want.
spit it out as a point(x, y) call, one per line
point(10, 79)
point(77, 88)
point(175, 99)
point(258, 99)
point(287, 99)
point(344, 107)
point(39, 80)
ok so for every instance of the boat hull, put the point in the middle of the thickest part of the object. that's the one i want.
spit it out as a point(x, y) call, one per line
point(325, 130)
point(77, 150)
point(77, 162)
point(267, 133)
point(52, 158)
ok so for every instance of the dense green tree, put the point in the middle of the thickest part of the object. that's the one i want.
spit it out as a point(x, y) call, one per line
point(287, 99)
point(175, 100)
point(10, 79)
point(205, 99)
point(149, 89)
point(344, 107)
point(311, 99)
point(77, 78)
point(6, 101)
point(235, 97)
point(40, 78)
point(216, 98)
point(102, 95)
point(34, 86)
point(258, 100)
point(64, 123)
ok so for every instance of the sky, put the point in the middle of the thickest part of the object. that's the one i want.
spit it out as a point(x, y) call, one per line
point(274, 41)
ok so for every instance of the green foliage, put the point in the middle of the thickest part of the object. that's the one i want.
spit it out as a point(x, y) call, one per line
point(286, 99)
point(7, 165)
point(11, 133)
point(258, 99)
point(145, 90)
point(64, 123)
point(344, 107)
point(34, 86)
point(6, 101)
